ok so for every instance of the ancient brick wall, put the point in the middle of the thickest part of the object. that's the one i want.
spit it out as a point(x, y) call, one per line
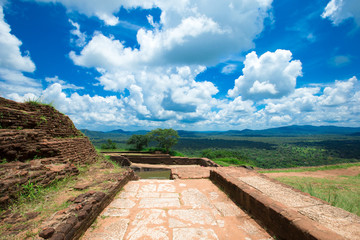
point(20, 116)
point(38, 145)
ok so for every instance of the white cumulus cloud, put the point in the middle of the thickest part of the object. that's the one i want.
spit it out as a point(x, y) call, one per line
point(339, 93)
point(272, 75)
point(62, 82)
point(13, 63)
point(156, 82)
point(335, 103)
point(339, 10)
point(188, 30)
point(158, 79)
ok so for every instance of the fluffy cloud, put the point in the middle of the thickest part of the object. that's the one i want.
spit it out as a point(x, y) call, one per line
point(11, 57)
point(84, 110)
point(188, 30)
point(155, 83)
point(106, 53)
point(62, 82)
point(13, 63)
point(336, 102)
point(158, 79)
point(272, 75)
point(97, 112)
point(235, 113)
point(338, 94)
point(154, 90)
point(339, 10)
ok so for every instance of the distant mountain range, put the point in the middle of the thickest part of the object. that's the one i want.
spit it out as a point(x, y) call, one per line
point(297, 130)
point(294, 130)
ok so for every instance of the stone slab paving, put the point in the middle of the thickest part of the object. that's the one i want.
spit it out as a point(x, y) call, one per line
point(174, 209)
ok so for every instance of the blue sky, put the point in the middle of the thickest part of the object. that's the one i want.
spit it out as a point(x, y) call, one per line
point(185, 64)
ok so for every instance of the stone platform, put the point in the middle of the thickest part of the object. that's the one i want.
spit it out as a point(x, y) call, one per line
point(174, 209)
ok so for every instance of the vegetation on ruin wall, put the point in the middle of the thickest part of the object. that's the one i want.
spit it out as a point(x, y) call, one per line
point(48, 200)
point(38, 102)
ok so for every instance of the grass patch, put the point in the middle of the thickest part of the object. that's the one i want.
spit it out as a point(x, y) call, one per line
point(313, 169)
point(36, 198)
point(43, 118)
point(38, 102)
point(342, 192)
point(30, 192)
point(116, 166)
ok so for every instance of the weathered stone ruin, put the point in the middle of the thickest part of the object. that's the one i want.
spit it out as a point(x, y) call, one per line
point(38, 145)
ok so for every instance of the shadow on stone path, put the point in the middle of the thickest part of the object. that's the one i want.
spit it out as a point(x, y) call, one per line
point(174, 209)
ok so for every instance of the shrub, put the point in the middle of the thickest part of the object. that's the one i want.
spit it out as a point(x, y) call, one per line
point(139, 141)
point(109, 145)
point(166, 138)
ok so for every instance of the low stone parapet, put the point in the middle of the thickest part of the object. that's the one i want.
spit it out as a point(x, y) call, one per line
point(73, 221)
point(164, 159)
point(282, 221)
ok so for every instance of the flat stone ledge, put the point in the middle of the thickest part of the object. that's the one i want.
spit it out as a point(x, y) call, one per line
point(283, 221)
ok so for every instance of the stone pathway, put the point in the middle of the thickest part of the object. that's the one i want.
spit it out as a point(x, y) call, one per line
point(174, 209)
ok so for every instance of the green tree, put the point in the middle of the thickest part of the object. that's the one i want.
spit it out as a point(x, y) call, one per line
point(166, 138)
point(108, 145)
point(139, 141)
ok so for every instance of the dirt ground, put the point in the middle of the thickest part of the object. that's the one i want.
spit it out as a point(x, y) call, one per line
point(352, 171)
